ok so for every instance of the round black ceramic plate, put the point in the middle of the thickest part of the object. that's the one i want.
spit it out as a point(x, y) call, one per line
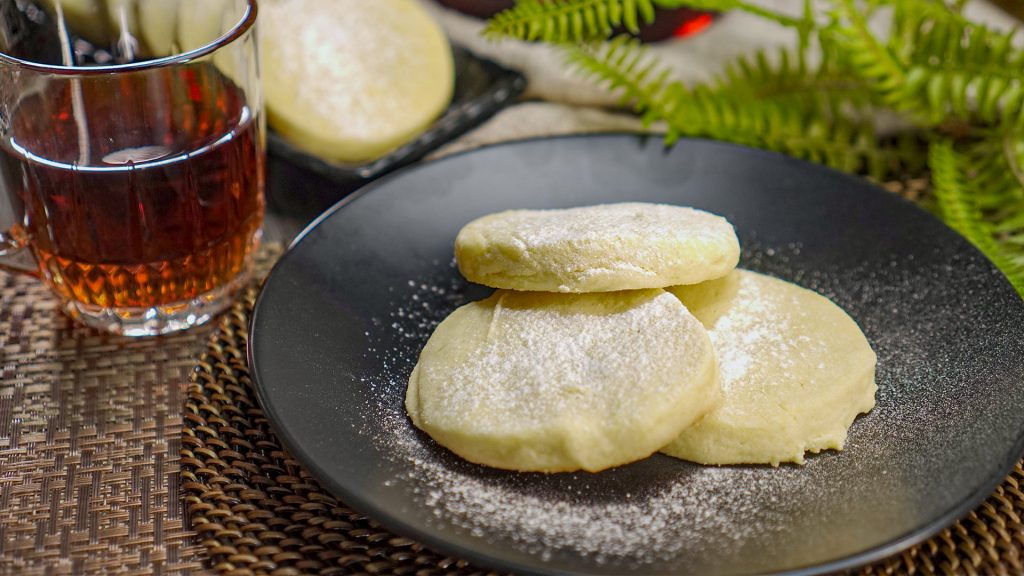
point(345, 313)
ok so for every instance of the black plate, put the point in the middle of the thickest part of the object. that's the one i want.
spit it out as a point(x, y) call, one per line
point(343, 316)
point(482, 88)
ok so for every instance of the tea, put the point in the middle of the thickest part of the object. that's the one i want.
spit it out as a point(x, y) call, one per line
point(140, 189)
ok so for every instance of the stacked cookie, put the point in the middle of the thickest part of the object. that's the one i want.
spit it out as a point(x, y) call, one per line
point(620, 330)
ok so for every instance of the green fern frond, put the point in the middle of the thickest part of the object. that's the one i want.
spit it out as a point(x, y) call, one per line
point(966, 71)
point(871, 59)
point(731, 115)
point(926, 9)
point(936, 65)
point(997, 180)
point(627, 70)
point(909, 14)
point(954, 192)
point(559, 21)
point(997, 171)
point(804, 23)
point(562, 21)
point(787, 78)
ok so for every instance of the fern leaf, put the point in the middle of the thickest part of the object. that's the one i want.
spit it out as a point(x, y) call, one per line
point(957, 207)
point(981, 63)
point(560, 21)
point(804, 23)
point(937, 65)
point(787, 79)
point(828, 92)
point(997, 172)
point(626, 69)
point(563, 21)
point(870, 58)
point(802, 131)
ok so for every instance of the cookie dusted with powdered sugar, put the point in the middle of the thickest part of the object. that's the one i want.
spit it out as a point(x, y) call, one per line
point(796, 371)
point(559, 382)
point(600, 248)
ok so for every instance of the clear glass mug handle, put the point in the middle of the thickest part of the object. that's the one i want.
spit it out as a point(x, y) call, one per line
point(15, 254)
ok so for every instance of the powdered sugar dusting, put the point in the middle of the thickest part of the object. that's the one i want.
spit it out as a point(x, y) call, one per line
point(736, 335)
point(559, 515)
point(551, 515)
point(519, 363)
point(627, 220)
point(664, 515)
point(599, 248)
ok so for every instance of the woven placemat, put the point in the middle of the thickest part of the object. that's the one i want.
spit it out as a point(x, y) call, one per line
point(259, 512)
point(90, 429)
point(90, 436)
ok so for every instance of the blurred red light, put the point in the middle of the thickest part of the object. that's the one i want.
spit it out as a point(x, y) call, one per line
point(695, 25)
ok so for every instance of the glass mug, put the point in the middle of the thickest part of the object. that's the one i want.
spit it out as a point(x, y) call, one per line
point(132, 162)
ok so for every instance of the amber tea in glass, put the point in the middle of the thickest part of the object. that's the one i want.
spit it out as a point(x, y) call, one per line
point(133, 176)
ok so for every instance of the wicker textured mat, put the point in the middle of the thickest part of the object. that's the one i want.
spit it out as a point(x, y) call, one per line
point(90, 436)
point(259, 512)
point(90, 429)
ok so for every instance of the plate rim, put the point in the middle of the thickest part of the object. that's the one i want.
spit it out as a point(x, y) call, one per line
point(399, 526)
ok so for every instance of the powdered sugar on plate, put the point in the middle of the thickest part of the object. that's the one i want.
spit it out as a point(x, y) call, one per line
point(653, 513)
point(548, 515)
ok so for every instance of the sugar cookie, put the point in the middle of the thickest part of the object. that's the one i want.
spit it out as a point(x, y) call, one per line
point(795, 369)
point(597, 248)
point(552, 382)
point(351, 80)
